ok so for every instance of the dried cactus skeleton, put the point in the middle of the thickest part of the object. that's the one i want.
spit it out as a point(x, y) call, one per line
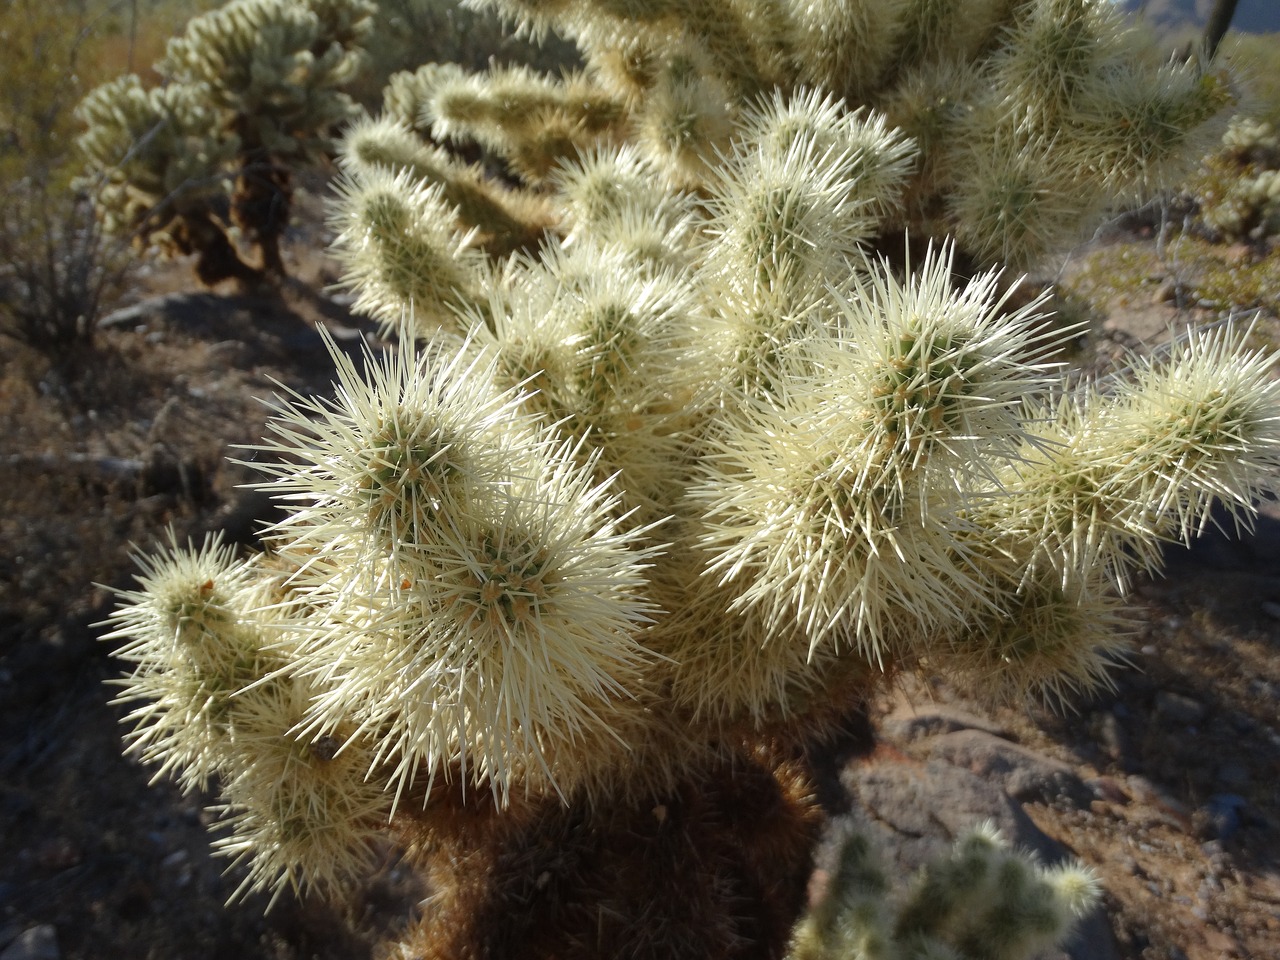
point(638, 511)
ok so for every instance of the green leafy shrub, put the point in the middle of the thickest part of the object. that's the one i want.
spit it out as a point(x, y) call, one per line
point(671, 470)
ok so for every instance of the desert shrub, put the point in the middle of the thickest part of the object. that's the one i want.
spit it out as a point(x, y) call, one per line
point(56, 267)
point(44, 48)
point(130, 35)
point(672, 470)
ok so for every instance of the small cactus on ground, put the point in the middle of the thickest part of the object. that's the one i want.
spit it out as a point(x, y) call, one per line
point(982, 901)
point(1238, 189)
point(672, 468)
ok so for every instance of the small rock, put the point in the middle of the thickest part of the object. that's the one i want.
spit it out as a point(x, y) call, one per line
point(1167, 292)
point(1162, 807)
point(1264, 689)
point(1221, 943)
point(228, 353)
point(1267, 885)
point(1233, 773)
point(1177, 708)
point(1112, 737)
point(34, 943)
point(1107, 789)
point(57, 853)
point(1143, 790)
point(1216, 860)
point(1020, 772)
point(925, 807)
point(1271, 609)
point(1224, 815)
point(909, 722)
point(134, 316)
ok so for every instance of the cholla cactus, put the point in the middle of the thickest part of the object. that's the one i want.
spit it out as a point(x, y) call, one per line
point(1027, 116)
point(161, 162)
point(981, 901)
point(252, 90)
point(631, 518)
point(217, 699)
point(1238, 189)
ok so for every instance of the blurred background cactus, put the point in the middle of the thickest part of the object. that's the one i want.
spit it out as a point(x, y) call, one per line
point(1027, 117)
point(684, 452)
point(409, 33)
point(252, 91)
point(1237, 190)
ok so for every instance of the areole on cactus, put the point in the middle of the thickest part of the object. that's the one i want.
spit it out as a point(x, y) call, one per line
point(672, 468)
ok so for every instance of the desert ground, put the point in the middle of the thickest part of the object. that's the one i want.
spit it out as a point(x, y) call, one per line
point(103, 450)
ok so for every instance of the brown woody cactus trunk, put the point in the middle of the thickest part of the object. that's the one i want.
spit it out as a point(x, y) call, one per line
point(260, 207)
point(717, 868)
point(216, 257)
